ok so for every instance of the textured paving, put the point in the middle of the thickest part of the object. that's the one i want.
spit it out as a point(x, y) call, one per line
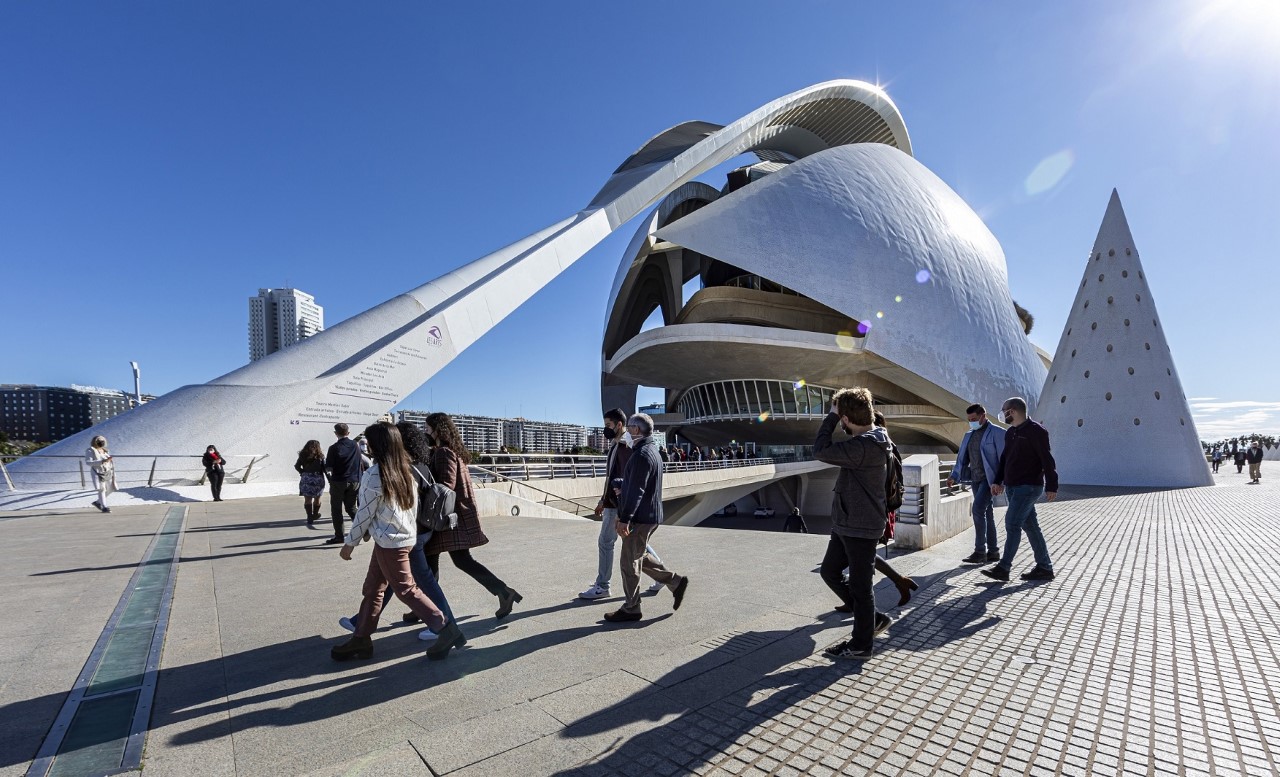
point(1155, 652)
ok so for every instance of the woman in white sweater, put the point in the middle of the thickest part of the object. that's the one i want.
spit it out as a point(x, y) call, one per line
point(104, 470)
point(388, 512)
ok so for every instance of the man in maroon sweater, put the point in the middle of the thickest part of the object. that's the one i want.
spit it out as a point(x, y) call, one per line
point(1026, 470)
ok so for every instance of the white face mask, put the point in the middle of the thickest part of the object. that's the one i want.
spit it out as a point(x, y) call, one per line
point(627, 439)
point(975, 425)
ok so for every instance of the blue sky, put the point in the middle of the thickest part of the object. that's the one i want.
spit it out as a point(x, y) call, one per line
point(161, 161)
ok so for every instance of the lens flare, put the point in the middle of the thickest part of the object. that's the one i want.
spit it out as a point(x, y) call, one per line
point(864, 327)
point(923, 276)
point(879, 314)
point(799, 384)
point(762, 417)
point(1050, 172)
point(845, 341)
point(898, 298)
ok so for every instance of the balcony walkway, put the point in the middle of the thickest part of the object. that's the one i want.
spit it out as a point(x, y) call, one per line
point(1155, 651)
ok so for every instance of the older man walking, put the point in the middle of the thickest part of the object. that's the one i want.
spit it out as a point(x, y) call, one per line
point(639, 515)
point(1026, 470)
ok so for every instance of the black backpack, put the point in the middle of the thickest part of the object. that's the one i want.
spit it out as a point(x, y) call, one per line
point(437, 504)
point(893, 489)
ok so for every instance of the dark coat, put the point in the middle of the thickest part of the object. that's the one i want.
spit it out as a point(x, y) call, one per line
point(641, 500)
point(210, 462)
point(449, 471)
point(615, 466)
point(858, 508)
point(343, 462)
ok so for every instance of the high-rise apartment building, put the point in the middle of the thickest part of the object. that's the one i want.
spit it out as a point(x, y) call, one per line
point(488, 435)
point(50, 413)
point(278, 318)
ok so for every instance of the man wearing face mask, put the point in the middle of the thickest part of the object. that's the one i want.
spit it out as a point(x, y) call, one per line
point(615, 422)
point(1254, 457)
point(976, 464)
point(1026, 469)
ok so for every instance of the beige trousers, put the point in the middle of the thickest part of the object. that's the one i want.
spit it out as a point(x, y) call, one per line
point(637, 559)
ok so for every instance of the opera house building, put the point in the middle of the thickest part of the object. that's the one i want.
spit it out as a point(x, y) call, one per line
point(802, 273)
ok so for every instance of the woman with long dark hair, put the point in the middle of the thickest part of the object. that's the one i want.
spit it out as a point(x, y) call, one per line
point(449, 460)
point(388, 511)
point(310, 469)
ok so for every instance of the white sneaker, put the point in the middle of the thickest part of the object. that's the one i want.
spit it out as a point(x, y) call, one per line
point(427, 635)
point(656, 587)
point(594, 592)
point(348, 623)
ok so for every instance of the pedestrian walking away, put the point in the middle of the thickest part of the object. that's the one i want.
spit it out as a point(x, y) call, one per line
point(639, 515)
point(98, 458)
point(343, 466)
point(449, 460)
point(795, 522)
point(1026, 471)
point(976, 464)
point(388, 513)
point(1254, 458)
point(215, 469)
point(310, 469)
point(859, 513)
point(615, 431)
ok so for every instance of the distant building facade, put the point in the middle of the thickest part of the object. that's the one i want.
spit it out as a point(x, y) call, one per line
point(50, 413)
point(488, 435)
point(278, 318)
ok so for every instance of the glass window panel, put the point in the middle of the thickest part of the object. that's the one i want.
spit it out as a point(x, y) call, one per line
point(722, 404)
point(802, 399)
point(788, 397)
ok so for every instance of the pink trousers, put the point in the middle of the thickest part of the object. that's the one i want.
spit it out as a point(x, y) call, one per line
point(389, 567)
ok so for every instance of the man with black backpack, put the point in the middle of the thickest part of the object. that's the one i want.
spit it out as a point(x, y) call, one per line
point(859, 512)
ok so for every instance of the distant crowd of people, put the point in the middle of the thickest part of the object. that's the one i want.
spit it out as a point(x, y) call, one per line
point(1250, 453)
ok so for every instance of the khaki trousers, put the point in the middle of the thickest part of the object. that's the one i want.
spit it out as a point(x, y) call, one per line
point(1255, 471)
point(636, 559)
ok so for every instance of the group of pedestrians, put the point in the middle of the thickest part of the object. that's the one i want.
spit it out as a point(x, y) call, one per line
point(1016, 461)
point(378, 487)
point(1250, 454)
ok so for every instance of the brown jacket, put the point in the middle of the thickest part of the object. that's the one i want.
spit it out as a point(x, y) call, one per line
point(449, 471)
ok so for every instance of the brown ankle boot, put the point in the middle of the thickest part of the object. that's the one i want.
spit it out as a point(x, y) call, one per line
point(356, 647)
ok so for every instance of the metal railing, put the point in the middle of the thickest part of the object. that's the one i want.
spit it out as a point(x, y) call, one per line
point(132, 470)
point(533, 467)
point(492, 478)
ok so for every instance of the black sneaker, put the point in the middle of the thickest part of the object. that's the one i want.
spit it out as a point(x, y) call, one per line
point(997, 573)
point(334, 541)
point(883, 622)
point(679, 593)
point(1038, 573)
point(994, 556)
point(846, 650)
point(976, 557)
point(843, 609)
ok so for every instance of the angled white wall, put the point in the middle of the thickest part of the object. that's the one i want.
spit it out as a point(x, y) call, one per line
point(1113, 403)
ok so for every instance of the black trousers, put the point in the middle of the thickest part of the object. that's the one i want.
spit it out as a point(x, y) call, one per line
point(860, 556)
point(462, 560)
point(216, 474)
point(342, 493)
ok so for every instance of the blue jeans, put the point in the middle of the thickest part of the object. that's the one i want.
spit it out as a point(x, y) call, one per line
point(426, 581)
point(1019, 517)
point(609, 538)
point(984, 518)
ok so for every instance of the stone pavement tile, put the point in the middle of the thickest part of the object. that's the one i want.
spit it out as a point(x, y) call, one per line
point(398, 760)
point(472, 741)
point(592, 697)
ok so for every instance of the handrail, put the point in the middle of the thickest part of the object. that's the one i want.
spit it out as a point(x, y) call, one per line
point(525, 484)
point(169, 474)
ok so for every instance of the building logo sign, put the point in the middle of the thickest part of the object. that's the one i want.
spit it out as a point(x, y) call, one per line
point(434, 337)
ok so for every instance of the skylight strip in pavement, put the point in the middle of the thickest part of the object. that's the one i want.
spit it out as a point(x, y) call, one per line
point(103, 724)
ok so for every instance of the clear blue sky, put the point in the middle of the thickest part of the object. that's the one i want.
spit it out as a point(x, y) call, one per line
point(161, 161)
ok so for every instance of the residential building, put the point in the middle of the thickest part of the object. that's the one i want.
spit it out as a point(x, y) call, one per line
point(487, 434)
point(278, 318)
point(50, 413)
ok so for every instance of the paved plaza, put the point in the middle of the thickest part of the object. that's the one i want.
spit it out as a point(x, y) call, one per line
point(1154, 652)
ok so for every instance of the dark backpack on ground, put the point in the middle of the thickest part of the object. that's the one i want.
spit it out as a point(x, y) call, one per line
point(437, 504)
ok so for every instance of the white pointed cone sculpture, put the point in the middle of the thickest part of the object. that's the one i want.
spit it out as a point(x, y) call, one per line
point(1112, 403)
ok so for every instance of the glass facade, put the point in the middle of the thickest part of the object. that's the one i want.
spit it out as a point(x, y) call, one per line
point(743, 399)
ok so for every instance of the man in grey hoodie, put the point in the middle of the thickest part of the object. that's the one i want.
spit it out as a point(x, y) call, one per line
point(858, 513)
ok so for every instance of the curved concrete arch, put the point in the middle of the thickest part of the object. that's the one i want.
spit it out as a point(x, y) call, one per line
point(355, 371)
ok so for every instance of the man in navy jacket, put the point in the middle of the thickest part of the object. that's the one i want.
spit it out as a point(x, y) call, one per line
point(1027, 469)
point(342, 465)
point(639, 515)
point(976, 464)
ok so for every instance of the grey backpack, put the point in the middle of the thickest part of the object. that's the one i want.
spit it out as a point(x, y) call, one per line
point(437, 504)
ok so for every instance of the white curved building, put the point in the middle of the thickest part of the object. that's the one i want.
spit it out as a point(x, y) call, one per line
point(853, 265)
